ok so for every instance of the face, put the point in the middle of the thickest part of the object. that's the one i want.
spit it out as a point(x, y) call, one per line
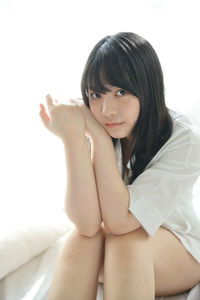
point(117, 111)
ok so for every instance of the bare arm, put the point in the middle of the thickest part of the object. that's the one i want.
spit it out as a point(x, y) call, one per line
point(113, 193)
point(81, 200)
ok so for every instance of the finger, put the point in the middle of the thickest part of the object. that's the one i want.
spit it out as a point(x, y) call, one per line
point(49, 101)
point(69, 100)
point(44, 116)
point(44, 112)
point(79, 101)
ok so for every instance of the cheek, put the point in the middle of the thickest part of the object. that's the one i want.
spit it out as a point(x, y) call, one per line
point(134, 111)
point(94, 111)
point(137, 111)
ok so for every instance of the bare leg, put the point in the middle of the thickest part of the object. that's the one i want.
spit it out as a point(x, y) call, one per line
point(77, 269)
point(140, 267)
point(128, 268)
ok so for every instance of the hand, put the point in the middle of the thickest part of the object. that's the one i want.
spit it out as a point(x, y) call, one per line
point(64, 120)
point(92, 126)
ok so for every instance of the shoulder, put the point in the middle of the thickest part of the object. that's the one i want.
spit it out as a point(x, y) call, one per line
point(185, 123)
point(184, 142)
point(185, 133)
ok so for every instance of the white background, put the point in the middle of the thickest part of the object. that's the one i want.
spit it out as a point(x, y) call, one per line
point(44, 45)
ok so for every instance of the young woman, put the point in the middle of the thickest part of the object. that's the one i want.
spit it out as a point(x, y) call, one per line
point(129, 194)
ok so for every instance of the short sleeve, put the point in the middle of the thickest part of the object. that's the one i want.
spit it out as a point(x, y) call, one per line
point(157, 191)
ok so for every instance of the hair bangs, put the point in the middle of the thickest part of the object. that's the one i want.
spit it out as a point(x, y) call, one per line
point(96, 78)
point(110, 67)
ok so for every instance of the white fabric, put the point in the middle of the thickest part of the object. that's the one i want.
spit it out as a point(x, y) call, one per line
point(163, 193)
point(22, 241)
point(32, 280)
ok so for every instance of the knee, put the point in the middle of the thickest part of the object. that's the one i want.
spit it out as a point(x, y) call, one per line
point(76, 244)
point(136, 241)
point(138, 235)
point(97, 235)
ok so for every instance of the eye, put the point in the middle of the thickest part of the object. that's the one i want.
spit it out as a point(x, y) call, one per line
point(121, 92)
point(95, 95)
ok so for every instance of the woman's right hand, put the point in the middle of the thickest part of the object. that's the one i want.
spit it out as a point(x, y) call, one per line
point(64, 120)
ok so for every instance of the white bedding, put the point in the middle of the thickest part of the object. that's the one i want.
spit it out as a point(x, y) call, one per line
point(32, 280)
point(27, 237)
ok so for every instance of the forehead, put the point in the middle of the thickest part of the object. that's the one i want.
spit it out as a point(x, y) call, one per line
point(110, 87)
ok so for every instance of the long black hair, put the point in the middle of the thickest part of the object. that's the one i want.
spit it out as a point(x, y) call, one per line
point(128, 61)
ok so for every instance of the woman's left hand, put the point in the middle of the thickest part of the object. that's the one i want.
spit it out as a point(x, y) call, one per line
point(92, 126)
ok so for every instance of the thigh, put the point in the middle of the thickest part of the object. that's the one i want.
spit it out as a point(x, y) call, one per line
point(77, 268)
point(175, 268)
point(78, 253)
point(125, 247)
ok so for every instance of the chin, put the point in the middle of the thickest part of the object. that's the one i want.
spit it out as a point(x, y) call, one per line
point(118, 136)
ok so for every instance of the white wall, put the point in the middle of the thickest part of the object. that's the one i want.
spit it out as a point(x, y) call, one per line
point(44, 46)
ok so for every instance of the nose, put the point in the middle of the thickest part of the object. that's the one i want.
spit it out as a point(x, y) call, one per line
point(109, 107)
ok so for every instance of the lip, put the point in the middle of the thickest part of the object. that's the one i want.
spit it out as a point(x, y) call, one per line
point(112, 125)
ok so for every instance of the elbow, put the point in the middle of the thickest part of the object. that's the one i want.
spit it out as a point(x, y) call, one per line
point(128, 225)
point(89, 233)
point(115, 230)
point(111, 228)
point(84, 229)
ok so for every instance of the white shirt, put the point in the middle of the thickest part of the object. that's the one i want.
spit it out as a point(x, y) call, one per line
point(163, 193)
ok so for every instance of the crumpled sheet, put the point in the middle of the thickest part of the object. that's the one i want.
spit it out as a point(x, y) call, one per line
point(31, 234)
point(32, 280)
